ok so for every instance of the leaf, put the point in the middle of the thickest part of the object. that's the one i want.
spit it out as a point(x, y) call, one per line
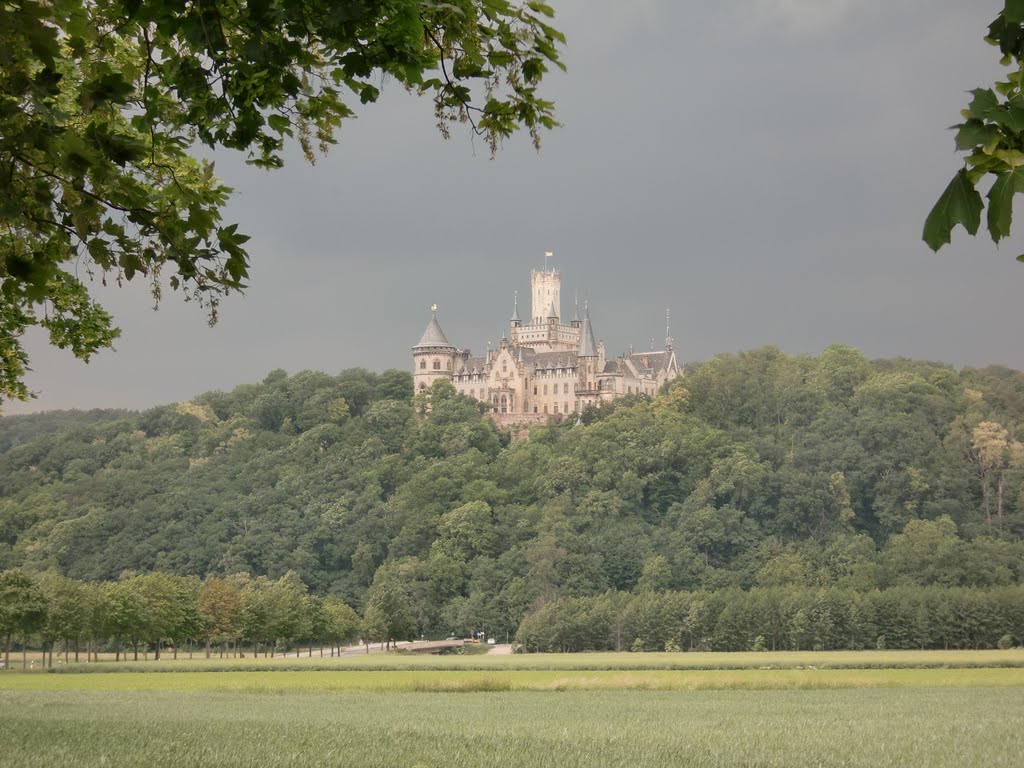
point(983, 103)
point(1013, 11)
point(1000, 202)
point(960, 203)
point(279, 123)
point(974, 133)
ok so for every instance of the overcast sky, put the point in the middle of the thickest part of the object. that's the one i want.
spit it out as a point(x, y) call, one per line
point(761, 167)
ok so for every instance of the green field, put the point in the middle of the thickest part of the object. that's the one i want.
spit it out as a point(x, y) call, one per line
point(937, 728)
point(963, 711)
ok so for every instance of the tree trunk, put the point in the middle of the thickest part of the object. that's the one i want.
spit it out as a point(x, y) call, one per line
point(999, 499)
point(7, 651)
point(156, 654)
point(76, 650)
point(135, 646)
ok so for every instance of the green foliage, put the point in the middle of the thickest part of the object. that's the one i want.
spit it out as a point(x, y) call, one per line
point(22, 608)
point(834, 473)
point(101, 105)
point(993, 136)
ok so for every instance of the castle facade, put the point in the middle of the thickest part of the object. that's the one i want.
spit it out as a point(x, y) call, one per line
point(543, 368)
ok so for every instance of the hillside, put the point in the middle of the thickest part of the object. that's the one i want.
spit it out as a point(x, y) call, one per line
point(757, 469)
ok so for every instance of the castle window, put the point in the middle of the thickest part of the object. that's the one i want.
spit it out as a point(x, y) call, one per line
point(422, 386)
point(534, 407)
point(449, 365)
point(535, 390)
point(556, 407)
point(437, 365)
point(565, 389)
point(423, 364)
point(545, 408)
point(566, 407)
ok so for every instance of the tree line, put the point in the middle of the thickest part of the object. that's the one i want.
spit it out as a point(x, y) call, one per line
point(787, 618)
point(239, 614)
point(758, 470)
point(157, 610)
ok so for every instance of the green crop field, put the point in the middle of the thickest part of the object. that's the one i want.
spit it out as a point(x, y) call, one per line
point(931, 710)
point(937, 728)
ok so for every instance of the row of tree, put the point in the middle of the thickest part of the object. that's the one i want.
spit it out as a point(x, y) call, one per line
point(154, 609)
point(780, 619)
point(157, 608)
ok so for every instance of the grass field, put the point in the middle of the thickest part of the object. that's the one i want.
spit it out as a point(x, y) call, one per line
point(928, 710)
point(936, 728)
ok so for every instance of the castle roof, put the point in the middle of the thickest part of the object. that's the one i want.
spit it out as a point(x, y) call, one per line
point(652, 362)
point(433, 336)
point(473, 365)
point(553, 359)
point(588, 347)
point(551, 311)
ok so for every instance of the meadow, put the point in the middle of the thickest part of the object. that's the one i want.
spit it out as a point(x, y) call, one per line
point(600, 710)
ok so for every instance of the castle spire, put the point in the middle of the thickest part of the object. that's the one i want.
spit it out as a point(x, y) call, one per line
point(668, 330)
point(515, 307)
point(588, 347)
point(433, 336)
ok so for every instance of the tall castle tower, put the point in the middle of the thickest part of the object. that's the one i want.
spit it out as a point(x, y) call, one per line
point(546, 286)
point(433, 358)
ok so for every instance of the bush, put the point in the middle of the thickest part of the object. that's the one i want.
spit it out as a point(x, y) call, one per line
point(1005, 643)
point(759, 645)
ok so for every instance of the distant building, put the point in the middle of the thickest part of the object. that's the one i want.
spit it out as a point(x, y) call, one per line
point(543, 368)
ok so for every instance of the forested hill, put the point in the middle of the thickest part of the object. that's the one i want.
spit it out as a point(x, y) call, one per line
point(757, 469)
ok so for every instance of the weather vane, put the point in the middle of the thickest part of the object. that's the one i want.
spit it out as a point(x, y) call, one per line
point(433, 308)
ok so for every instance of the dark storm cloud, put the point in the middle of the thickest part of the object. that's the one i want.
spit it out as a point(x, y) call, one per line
point(762, 167)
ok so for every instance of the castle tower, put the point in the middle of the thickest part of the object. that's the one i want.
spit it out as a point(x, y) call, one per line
point(514, 321)
point(433, 358)
point(587, 356)
point(546, 287)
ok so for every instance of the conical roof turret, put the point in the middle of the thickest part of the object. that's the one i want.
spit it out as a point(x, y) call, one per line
point(552, 312)
point(433, 336)
point(515, 309)
point(588, 347)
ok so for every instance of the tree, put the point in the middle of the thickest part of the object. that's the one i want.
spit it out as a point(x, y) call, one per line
point(220, 606)
point(22, 608)
point(993, 135)
point(101, 102)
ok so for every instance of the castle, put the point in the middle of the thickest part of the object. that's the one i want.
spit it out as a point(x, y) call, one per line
point(543, 368)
